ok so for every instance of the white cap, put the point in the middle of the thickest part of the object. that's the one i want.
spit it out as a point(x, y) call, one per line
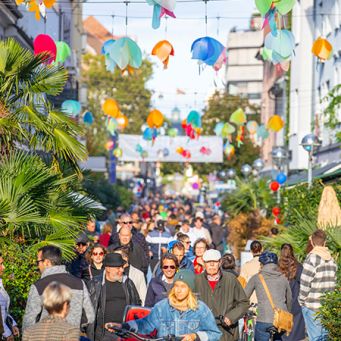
point(199, 215)
point(211, 255)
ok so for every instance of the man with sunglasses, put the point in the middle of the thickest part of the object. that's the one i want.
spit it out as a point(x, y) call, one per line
point(79, 264)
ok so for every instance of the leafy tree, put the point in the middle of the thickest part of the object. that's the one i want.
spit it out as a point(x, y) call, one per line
point(26, 116)
point(129, 91)
point(332, 120)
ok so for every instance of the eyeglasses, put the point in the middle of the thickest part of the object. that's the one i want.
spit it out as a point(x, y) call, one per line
point(98, 253)
point(165, 267)
point(126, 222)
point(187, 242)
point(38, 261)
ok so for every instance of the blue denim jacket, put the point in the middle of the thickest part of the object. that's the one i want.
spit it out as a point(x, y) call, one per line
point(169, 321)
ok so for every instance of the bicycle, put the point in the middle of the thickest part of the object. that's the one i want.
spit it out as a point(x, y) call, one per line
point(248, 331)
point(125, 334)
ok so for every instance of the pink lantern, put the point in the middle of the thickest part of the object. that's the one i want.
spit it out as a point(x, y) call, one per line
point(43, 43)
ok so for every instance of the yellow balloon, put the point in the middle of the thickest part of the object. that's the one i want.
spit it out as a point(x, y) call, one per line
point(110, 108)
point(155, 119)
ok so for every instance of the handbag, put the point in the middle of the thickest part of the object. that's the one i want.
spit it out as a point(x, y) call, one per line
point(283, 320)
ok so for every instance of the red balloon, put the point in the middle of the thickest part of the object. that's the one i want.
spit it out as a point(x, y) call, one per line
point(43, 43)
point(274, 186)
point(276, 211)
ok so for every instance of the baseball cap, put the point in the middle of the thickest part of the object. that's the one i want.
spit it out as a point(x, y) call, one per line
point(199, 215)
point(211, 255)
point(82, 239)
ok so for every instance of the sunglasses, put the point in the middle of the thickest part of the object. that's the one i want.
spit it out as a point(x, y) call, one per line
point(98, 253)
point(187, 242)
point(127, 222)
point(81, 244)
point(38, 261)
point(165, 267)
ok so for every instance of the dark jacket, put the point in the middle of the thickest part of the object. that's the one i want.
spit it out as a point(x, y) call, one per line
point(137, 257)
point(298, 330)
point(156, 292)
point(78, 265)
point(218, 234)
point(138, 238)
point(90, 272)
point(227, 299)
point(98, 298)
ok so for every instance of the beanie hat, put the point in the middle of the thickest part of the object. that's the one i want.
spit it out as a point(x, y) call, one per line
point(186, 276)
point(268, 257)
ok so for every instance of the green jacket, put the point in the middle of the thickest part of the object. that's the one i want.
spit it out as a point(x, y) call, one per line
point(227, 299)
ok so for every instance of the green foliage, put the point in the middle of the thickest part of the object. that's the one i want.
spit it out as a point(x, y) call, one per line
point(330, 313)
point(20, 272)
point(304, 201)
point(26, 116)
point(129, 91)
point(331, 112)
point(111, 196)
point(249, 196)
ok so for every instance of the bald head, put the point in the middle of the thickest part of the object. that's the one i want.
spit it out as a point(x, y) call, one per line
point(125, 235)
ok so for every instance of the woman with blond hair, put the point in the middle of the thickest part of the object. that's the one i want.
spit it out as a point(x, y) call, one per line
point(181, 314)
point(56, 300)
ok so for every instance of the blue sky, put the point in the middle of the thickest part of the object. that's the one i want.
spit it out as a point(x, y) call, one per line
point(182, 72)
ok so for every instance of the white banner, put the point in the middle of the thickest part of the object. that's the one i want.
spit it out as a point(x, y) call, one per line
point(166, 149)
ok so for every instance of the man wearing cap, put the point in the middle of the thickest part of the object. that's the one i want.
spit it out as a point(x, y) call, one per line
point(79, 264)
point(223, 294)
point(110, 296)
point(199, 231)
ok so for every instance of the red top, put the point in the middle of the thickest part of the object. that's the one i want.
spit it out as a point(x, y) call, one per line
point(104, 239)
point(198, 268)
point(212, 284)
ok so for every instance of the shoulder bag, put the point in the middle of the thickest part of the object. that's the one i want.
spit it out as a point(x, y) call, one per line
point(283, 320)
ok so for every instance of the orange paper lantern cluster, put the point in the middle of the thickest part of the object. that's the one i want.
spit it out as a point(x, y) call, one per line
point(322, 49)
point(155, 119)
point(111, 108)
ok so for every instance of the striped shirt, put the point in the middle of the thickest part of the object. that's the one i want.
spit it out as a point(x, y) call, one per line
point(318, 277)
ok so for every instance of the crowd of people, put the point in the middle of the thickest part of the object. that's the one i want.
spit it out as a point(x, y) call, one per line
point(172, 260)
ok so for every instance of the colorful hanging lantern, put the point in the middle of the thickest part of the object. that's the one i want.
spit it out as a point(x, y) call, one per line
point(322, 49)
point(194, 119)
point(227, 131)
point(276, 211)
point(123, 53)
point(88, 118)
point(43, 43)
point(281, 178)
point(229, 150)
point(274, 186)
point(111, 108)
point(163, 49)
point(275, 123)
point(122, 121)
point(262, 132)
point(238, 117)
point(172, 132)
point(109, 145)
point(252, 127)
point(37, 6)
point(71, 107)
point(205, 150)
point(112, 125)
point(117, 152)
point(161, 8)
point(63, 52)
point(207, 50)
point(155, 119)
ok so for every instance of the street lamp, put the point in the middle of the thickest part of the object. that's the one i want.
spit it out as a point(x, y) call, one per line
point(310, 143)
point(279, 156)
point(231, 173)
point(246, 170)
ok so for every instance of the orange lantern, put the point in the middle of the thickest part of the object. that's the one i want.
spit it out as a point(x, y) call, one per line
point(163, 49)
point(122, 121)
point(322, 49)
point(275, 123)
point(110, 108)
point(155, 119)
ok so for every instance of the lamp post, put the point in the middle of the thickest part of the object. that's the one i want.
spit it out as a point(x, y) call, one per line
point(246, 170)
point(310, 143)
point(279, 156)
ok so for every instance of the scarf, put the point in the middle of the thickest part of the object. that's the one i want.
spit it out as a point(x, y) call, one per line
point(322, 251)
point(214, 278)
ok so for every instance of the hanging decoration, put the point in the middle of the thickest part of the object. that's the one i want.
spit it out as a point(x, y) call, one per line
point(162, 50)
point(238, 117)
point(209, 51)
point(161, 8)
point(112, 125)
point(43, 43)
point(122, 121)
point(88, 118)
point(143, 153)
point(37, 6)
point(274, 186)
point(110, 108)
point(155, 119)
point(63, 52)
point(123, 53)
point(183, 152)
point(322, 49)
point(229, 150)
point(281, 178)
point(71, 107)
point(252, 127)
point(227, 131)
point(109, 145)
point(118, 152)
point(205, 151)
point(276, 211)
point(275, 123)
point(192, 125)
point(172, 132)
point(262, 132)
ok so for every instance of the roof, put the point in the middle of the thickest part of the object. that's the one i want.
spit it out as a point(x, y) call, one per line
point(96, 33)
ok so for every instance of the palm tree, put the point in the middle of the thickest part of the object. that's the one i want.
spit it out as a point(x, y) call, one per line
point(27, 118)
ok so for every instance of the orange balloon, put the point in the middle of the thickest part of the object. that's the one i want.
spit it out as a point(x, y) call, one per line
point(110, 108)
point(163, 49)
point(122, 121)
point(155, 119)
point(322, 49)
